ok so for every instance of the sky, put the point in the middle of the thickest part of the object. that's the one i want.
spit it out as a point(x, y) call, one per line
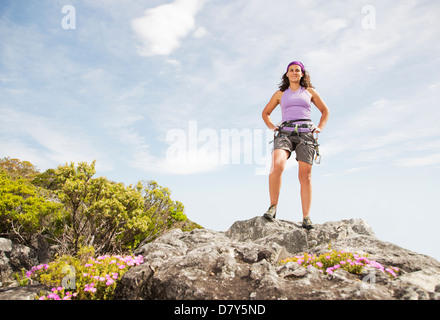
point(172, 91)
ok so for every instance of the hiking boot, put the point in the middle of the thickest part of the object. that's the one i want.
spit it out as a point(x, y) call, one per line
point(307, 223)
point(270, 213)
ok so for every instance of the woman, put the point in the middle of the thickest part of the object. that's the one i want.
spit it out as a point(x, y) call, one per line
point(295, 134)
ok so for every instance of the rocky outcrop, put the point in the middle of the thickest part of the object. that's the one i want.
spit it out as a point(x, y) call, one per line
point(14, 257)
point(242, 264)
point(21, 293)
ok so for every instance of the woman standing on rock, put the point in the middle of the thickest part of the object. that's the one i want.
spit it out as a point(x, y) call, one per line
point(294, 134)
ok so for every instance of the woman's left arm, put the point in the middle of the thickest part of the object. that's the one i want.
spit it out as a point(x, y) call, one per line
point(320, 104)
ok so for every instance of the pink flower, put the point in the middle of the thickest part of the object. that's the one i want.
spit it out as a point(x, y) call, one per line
point(327, 257)
point(89, 287)
point(319, 264)
point(377, 265)
point(360, 259)
point(109, 282)
point(53, 296)
point(391, 272)
point(121, 266)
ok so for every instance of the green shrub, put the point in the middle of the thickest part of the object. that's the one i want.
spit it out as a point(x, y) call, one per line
point(71, 208)
point(16, 168)
point(101, 213)
point(25, 213)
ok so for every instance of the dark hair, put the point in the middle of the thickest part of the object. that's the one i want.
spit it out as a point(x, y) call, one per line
point(304, 82)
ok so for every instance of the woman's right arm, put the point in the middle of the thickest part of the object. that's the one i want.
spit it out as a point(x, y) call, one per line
point(274, 101)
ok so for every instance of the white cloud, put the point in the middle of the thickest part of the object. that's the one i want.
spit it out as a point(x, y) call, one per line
point(353, 170)
point(200, 32)
point(429, 160)
point(161, 29)
point(173, 62)
point(46, 142)
point(331, 26)
point(386, 130)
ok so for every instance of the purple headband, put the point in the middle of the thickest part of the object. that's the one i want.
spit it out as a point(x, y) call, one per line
point(298, 64)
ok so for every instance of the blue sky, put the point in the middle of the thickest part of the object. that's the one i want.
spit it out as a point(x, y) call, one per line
point(147, 88)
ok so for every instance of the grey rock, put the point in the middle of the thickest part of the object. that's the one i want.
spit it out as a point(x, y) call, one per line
point(14, 257)
point(22, 257)
point(243, 263)
point(21, 293)
point(427, 279)
point(5, 245)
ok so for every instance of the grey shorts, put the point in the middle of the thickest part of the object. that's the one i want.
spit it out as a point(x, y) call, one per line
point(304, 152)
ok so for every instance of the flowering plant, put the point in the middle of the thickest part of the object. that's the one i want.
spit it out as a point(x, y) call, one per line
point(329, 262)
point(94, 280)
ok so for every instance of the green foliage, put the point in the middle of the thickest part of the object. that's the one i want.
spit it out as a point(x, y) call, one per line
point(24, 211)
point(21, 278)
point(161, 210)
point(102, 213)
point(47, 180)
point(329, 262)
point(69, 207)
point(18, 169)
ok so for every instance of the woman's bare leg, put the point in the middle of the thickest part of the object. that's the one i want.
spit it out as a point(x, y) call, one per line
point(305, 179)
point(279, 158)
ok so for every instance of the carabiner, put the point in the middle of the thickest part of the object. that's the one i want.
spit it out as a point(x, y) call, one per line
point(318, 159)
point(313, 133)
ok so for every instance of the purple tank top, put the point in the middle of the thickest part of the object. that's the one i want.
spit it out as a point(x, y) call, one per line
point(296, 105)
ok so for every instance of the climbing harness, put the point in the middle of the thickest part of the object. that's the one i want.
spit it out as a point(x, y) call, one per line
point(316, 145)
point(295, 132)
point(290, 123)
